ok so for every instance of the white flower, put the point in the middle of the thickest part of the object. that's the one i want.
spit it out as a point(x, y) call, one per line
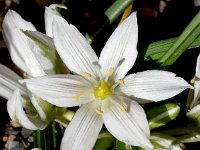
point(18, 100)
point(28, 56)
point(194, 100)
point(101, 89)
point(25, 53)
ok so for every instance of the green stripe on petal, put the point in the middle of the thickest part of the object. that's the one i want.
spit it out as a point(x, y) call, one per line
point(48, 50)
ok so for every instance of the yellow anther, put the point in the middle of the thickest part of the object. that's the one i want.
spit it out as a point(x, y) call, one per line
point(86, 75)
point(77, 96)
point(26, 76)
point(192, 81)
point(110, 71)
point(120, 81)
point(98, 111)
point(123, 108)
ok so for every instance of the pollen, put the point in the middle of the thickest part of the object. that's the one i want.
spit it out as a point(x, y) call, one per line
point(77, 96)
point(103, 90)
point(110, 71)
point(98, 111)
point(120, 81)
point(86, 75)
point(123, 108)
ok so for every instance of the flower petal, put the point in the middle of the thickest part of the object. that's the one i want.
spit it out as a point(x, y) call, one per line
point(130, 127)
point(153, 85)
point(48, 17)
point(61, 90)
point(9, 82)
point(83, 130)
point(40, 111)
point(194, 96)
point(196, 99)
point(17, 113)
point(198, 67)
point(47, 54)
point(120, 50)
point(19, 45)
point(73, 48)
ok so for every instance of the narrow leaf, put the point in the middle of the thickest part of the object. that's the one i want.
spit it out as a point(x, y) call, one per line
point(105, 141)
point(161, 115)
point(157, 49)
point(190, 33)
point(112, 13)
point(164, 142)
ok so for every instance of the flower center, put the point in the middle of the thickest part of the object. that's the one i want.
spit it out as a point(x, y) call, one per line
point(103, 90)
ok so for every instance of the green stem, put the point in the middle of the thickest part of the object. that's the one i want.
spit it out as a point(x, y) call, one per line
point(38, 139)
point(54, 131)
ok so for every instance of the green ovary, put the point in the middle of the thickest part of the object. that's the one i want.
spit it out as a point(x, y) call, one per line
point(103, 90)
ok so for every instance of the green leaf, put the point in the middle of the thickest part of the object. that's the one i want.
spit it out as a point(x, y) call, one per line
point(105, 141)
point(164, 142)
point(157, 49)
point(187, 37)
point(189, 138)
point(161, 115)
point(116, 9)
point(122, 146)
point(48, 50)
point(112, 13)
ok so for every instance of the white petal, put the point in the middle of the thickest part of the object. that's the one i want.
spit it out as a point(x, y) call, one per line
point(9, 82)
point(19, 45)
point(196, 99)
point(16, 112)
point(73, 48)
point(194, 112)
point(153, 85)
point(38, 108)
point(46, 54)
point(120, 50)
point(61, 90)
point(198, 67)
point(131, 127)
point(48, 17)
point(83, 130)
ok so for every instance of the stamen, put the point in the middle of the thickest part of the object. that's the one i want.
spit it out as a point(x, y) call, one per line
point(99, 111)
point(123, 108)
point(110, 71)
point(121, 81)
point(86, 75)
point(121, 105)
point(26, 76)
point(193, 80)
point(89, 76)
point(77, 96)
